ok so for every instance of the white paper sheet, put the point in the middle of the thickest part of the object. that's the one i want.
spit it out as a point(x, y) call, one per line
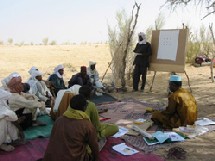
point(204, 122)
point(174, 136)
point(122, 131)
point(168, 45)
point(124, 149)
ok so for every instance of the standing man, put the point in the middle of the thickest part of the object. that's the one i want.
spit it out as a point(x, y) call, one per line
point(143, 51)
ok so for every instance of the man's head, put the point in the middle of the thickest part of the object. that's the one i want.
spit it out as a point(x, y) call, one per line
point(92, 65)
point(175, 83)
point(85, 91)
point(142, 36)
point(26, 87)
point(83, 70)
point(78, 102)
point(59, 69)
point(37, 75)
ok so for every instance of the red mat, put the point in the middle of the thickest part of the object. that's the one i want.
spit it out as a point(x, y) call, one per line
point(35, 149)
point(108, 154)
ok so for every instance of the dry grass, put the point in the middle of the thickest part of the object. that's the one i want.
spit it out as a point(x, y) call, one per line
point(21, 59)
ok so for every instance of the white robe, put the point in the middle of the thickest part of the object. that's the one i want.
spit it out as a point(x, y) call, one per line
point(39, 89)
point(28, 101)
point(94, 77)
point(74, 89)
point(8, 131)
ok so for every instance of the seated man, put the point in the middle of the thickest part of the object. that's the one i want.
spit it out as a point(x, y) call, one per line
point(31, 72)
point(63, 100)
point(9, 132)
point(81, 78)
point(21, 102)
point(38, 88)
point(57, 79)
point(94, 76)
point(181, 109)
point(103, 130)
point(72, 135)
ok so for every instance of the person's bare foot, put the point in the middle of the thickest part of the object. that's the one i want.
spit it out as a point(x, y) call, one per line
point(6, 147)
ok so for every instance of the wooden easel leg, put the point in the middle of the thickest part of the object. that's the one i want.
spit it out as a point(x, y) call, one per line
point(188, 81)
point(153, 81)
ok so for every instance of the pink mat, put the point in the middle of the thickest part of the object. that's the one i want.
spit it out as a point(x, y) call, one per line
point(35, 150)
point(108, 154)
point(31, 151)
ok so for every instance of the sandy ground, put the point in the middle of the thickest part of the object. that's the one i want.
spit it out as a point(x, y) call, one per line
point(21, 59)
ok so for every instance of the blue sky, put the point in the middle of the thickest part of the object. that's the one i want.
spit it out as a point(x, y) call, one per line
point(82, 20)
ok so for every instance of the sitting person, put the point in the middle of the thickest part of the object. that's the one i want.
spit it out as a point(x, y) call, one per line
point(21, 103)
point(72, 135)
point(103, 130)
point(63, 100)
point(57, 79)
point(38, 87)
point(94, 76)
point(9, 131)
point(181, 109)
point(81, 78)
point(31, 72)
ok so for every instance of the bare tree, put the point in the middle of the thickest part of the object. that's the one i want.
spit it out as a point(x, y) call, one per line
point(120, 43)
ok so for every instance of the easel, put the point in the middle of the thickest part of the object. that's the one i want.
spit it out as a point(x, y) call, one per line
point(153, 78)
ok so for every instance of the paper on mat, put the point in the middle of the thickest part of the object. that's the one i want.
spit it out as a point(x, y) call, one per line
point(122, 131)
point(204, 122)
point(168, 45)
point(124, 149)
point(174, 136)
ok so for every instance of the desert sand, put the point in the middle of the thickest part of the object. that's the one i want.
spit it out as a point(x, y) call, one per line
point(21, 59)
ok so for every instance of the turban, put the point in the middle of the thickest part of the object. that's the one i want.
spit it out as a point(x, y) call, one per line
point(60, 66)
point(143, 35)
point(175, 78)
point(32, 70)
point(36, 73)
point(91, 63)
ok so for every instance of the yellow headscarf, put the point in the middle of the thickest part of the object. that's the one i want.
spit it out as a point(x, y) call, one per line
point(75, 114)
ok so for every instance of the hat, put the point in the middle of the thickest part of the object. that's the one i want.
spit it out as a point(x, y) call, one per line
point(91, 63)
point(83, 68)
point(175, 78)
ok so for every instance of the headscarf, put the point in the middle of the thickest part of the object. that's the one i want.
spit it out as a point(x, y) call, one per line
point(75, 114)
point(91, 63)
point(143, 35)
point(32, 70)
point(57, 68)
point(13, 82)
point(36, 73)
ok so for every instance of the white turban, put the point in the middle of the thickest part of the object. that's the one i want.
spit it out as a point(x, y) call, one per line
point(143, 35)
point(32, 70)
point(36, 73)
point(91, 63)
point(60, 66)
point(8, 78)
